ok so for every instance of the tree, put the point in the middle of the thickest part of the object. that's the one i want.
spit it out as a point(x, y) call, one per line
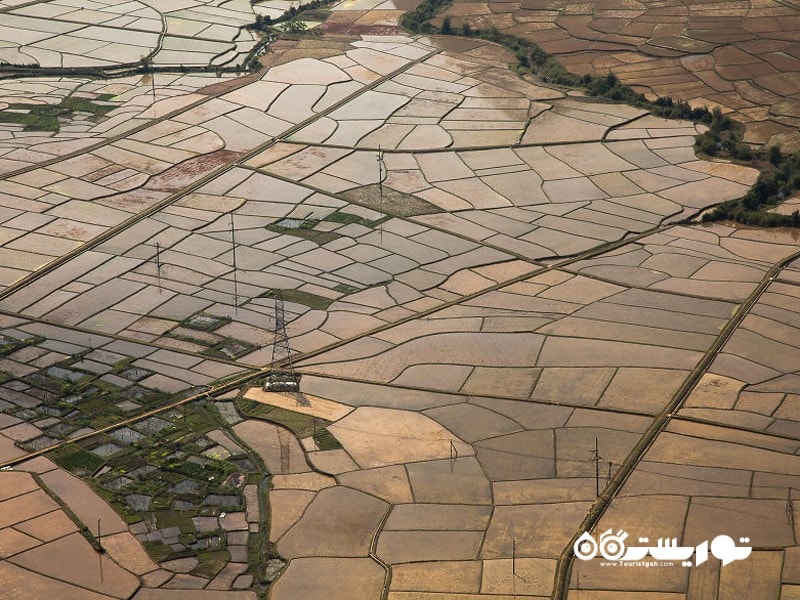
point(775, 156)
point(447, 26)
point(539, 56)
point(263, 23)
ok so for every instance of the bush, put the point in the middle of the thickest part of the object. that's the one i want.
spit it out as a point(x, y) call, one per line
point(418, 19)
point(775, 156)
point(707, 144)
point(743, 152)
point(294, 26)
point(263, 23)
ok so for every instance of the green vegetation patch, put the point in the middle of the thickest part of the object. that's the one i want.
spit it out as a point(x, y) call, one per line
point(77, 104)
point(300, 297)
point(304, 229)
point(36, 118)
point(77, 460)
point(213, 470)
point(391, 202)
point(325, 440)
point(122, 365)
point(9, 344)
point(230, 349)
point(343, 288)
point(316, 14)
point(158, 551)
point(347, 218)
point(44, 117)
point(255, 549)
point(211, 563)
point(302, 425)
point(176, 518)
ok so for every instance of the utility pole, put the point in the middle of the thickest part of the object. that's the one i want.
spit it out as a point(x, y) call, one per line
point(453, 455)
point(235, 279)
point(514, 557)
point(381, 170)
point(158, 265)
point(596, 458)
point(153, 84)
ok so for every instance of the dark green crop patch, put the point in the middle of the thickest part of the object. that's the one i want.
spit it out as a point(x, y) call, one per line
point(45, 117)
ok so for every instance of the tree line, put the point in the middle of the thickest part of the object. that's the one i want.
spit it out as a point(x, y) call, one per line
point(780, 173)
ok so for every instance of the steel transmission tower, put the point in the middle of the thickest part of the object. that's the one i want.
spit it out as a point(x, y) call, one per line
point(282, 377)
